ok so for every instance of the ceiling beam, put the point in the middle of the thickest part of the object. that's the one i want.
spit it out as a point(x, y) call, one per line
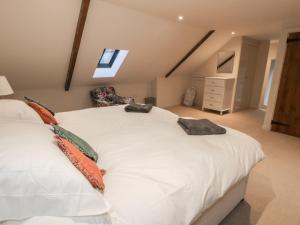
point(209, 33)
point(77, 40)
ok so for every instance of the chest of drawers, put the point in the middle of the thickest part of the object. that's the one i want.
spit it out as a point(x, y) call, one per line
point(218, 93)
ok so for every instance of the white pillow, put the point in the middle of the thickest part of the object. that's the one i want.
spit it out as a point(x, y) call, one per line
point(37, 179)
point(15, 110)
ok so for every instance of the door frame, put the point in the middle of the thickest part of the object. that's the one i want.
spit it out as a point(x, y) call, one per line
point(265, 83)
point(277, 75)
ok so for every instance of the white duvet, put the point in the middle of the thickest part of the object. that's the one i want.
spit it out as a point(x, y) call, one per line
point(156, 173)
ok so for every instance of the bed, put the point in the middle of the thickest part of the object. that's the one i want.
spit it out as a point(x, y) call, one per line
point(156, 174)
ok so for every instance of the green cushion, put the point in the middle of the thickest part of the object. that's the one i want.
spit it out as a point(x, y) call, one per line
point(82, 145)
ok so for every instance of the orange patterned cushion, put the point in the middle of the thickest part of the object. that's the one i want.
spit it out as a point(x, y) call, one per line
point(86, 166)
point(46, 116)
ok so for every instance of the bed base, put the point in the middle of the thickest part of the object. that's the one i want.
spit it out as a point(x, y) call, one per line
point(216, 213)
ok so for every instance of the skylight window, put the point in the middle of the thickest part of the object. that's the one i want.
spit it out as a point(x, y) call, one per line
point(108, 58)
point(110, 62)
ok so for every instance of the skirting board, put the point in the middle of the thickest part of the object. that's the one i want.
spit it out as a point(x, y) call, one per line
point(216, 213)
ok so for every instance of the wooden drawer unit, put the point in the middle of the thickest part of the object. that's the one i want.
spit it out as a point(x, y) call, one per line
point(214, 82)
point(214, 90)
point(218, 93)
point(212, 105)
point(213, 97)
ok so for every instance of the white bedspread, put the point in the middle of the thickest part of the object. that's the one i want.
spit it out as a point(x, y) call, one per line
point(156, 173)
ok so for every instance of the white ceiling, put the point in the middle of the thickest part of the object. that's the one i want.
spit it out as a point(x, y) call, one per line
point(255, 18)
point(37, 36)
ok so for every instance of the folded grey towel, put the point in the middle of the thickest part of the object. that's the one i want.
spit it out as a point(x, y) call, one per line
point(133, 107)
point(200, 127)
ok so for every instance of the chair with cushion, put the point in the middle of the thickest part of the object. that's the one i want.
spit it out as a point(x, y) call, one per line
point(106, 96)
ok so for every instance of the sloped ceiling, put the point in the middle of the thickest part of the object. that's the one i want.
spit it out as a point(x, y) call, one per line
point(36, 36)
point(256, 18)
point(155, 44)
point(36, 41)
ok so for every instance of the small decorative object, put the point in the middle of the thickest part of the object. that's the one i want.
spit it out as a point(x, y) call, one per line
point(150, 100)
point(5, 88)
point(189, 97)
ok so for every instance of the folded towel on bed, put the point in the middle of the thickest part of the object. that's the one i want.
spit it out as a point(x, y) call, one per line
point(142, 108)
point(200, 127)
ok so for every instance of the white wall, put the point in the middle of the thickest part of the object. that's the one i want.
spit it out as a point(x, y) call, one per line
point(209, 67)
point(170, 91)
point(257, 60)
point(79, 97)
point(36, 43)
point(37, 36)
point(261, 63)
point(277, 74)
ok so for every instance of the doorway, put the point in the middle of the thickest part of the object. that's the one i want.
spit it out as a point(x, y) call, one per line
point(269, 83)
point(268, 77)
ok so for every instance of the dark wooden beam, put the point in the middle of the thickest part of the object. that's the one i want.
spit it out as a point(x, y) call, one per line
point(77, 40)
point(209, 33)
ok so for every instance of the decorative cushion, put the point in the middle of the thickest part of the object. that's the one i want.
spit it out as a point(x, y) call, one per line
point(86, 166)
point(46, 116)
point(82, 145)
point(32, 100)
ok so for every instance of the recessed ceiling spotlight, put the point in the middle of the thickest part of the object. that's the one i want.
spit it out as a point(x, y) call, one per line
point(233, 33)
point(180, 18)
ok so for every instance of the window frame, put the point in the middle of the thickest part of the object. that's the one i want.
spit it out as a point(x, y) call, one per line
point(112, 60)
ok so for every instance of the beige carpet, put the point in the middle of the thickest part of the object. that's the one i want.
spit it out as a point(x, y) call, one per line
point(273, 193)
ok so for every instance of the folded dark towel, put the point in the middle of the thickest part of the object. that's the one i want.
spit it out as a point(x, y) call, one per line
point(133, 107)
point(200, 127)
